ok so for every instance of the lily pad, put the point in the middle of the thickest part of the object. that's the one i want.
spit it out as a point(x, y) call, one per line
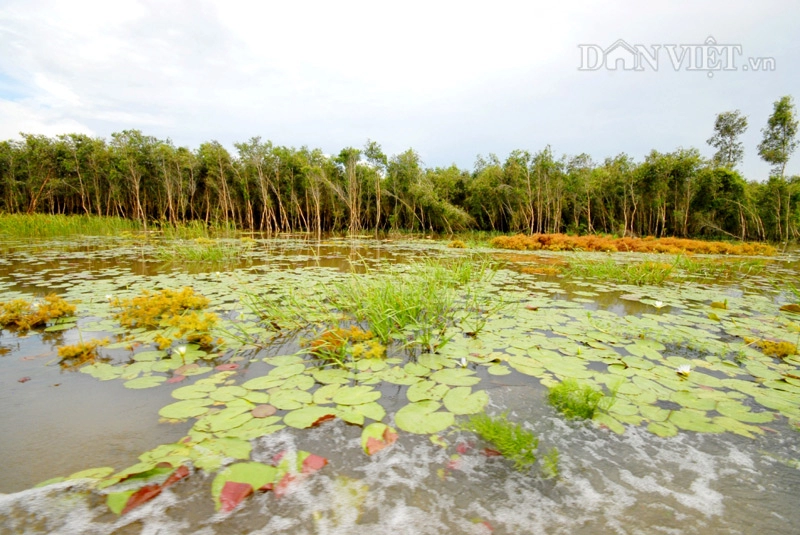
point(461, 400)
point(423, 418)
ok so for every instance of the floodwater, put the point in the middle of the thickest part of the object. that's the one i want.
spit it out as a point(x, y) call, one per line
point(58, 421)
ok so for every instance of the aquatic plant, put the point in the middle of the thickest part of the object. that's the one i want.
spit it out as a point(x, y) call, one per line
point(337, 344)
point(684, 370)
point(80, 353)
point(24, 315)
point(773, 348)
point(202, 249)
point(563, 242)
point(574, 400)
point(150, 310)
point(457, 244)
point(627, 273)
point(510, 439)
point(46, 225)
point(177, 312)
point(550, 465)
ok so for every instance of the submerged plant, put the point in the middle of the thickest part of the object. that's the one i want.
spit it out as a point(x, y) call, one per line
point(574, 400)
point(510, 439)
point(25, 315)
point(550, 463)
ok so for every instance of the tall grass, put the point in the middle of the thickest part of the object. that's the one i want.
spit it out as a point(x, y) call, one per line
point(418, 302)
point(50, 226)
point(633, 273)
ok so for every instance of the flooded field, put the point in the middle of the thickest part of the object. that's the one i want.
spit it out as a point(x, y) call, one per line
point(294, 386)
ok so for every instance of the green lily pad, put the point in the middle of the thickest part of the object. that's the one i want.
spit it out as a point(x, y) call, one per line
point(355, 395)
point(355, 414)
point(461, 400)
point(307, 416)
point(423, 418)
point(147, 381)
point(455, 377)
point(290, 400)
point(188, 408)
point(426, 390)
point(195, 391)
point(228, 393)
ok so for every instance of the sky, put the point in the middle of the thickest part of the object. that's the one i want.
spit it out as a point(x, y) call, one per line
point(451, 80)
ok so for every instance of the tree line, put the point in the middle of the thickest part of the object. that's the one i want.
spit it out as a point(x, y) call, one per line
point(271, 188)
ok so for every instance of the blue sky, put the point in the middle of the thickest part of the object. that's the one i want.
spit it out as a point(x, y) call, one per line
point(449, 79)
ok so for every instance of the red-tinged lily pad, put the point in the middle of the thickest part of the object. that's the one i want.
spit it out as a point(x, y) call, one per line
point(313, 462)
point(791, 308)
point(377, 436)
point(490, 452)
point(232, 495)
point(181, 472)
point(176, 379)
point(23, 379)
point(143, 495)
point(263, 411)
point(227, 367)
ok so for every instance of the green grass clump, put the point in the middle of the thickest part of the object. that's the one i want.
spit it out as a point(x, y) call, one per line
point(574, 400)
point(510, 439)
point(201, 250)
point(418, 301)
point(627, 273)
point(49, 226)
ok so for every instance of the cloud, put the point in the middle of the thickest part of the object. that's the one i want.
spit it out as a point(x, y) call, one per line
point(450, 79)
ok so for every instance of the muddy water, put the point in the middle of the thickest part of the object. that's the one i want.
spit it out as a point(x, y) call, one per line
point(61, 421)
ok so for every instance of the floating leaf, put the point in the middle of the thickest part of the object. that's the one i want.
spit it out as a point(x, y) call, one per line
point(235, 477)
point(792, 307)
point(188, 408)
point(461, 400)
point(355, 414)
point(290, 400)
point(426, 390)
point(455, 377)
point(263, 411)
point(195, 391)
point(377, 436)
point(147, 381)
point(308, 416)
point(355, 395)
point(422, 418)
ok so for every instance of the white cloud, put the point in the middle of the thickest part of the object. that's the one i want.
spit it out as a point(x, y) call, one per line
point(450, 79)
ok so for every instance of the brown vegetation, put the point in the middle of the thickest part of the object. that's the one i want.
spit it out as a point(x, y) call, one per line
point(563, 242)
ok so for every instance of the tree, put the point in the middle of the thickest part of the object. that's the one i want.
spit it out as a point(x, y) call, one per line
point(727, 129)
point(780, 136)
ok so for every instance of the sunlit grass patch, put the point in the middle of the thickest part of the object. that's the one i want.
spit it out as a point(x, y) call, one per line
point(47, 226)
point(626, 273)
point(202, 249)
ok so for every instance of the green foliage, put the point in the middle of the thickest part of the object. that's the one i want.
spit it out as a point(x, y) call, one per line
point(54, 225)
point(550, 463)
point(727, 129)
point(510, 439)
point(780, 135)
point(574, 400)
point(628, 273)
